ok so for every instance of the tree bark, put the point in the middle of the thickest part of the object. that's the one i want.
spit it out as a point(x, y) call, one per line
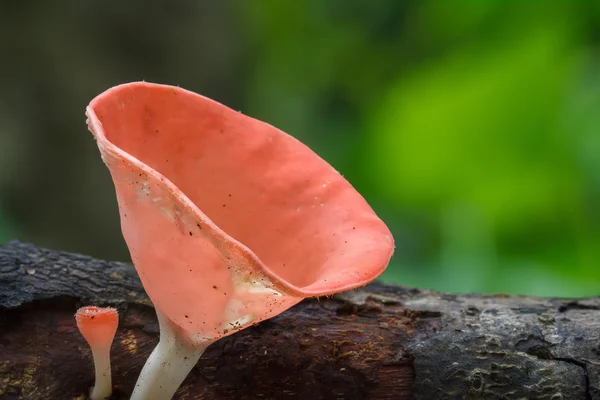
point(380, 342)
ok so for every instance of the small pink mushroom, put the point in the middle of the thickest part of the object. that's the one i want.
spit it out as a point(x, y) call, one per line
point(98, 326)
point(229, 221)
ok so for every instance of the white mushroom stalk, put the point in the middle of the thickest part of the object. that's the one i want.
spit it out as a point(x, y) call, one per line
point(169, 363)
point(99, 326)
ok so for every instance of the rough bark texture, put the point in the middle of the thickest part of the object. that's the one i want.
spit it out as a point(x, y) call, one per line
point(381, 342)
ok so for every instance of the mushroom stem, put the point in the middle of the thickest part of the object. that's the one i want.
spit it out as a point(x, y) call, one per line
point(103, 387)
point(168, 365)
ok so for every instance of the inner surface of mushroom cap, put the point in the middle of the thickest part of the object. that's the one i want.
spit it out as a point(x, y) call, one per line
point(98, 325)
point(229, 220)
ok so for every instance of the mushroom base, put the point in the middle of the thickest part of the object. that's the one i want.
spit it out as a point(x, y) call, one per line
point(168, 365)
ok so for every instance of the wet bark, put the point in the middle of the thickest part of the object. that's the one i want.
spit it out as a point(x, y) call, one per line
point(381, 342)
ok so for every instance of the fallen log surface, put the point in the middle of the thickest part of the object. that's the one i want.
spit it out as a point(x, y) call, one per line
point(380, 342)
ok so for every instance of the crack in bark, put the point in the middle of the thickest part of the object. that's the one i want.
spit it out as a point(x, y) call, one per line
point(576, 305)
point(540, 348)
point(543, 353)
point(583, 366)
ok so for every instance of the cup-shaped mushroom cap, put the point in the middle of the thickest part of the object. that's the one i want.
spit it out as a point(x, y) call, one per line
point(97, 325)
point(229, 220)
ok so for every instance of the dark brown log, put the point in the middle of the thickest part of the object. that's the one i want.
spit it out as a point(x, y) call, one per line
point(381, 342)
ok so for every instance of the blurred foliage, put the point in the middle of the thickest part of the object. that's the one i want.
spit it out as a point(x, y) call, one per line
point(7, 228)
point(472, 129)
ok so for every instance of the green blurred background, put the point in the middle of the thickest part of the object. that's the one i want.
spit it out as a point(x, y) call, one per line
point(473, 128)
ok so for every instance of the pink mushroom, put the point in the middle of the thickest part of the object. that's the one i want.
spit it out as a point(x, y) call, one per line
point(229, 221)
point(98, 326)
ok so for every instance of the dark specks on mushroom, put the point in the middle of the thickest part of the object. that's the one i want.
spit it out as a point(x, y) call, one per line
point(191, 233)
point(214, 286)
